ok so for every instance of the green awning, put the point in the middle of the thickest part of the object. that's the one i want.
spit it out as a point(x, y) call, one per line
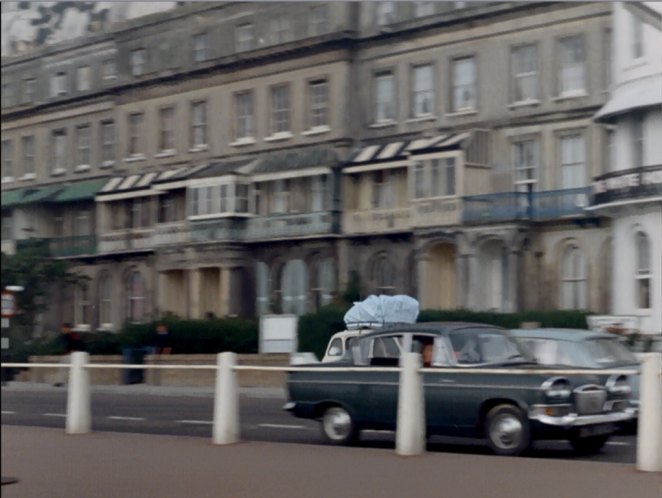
point(12, 197)
point(41, 195)
point(80, 191)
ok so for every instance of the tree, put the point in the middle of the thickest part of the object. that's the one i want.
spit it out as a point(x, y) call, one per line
point(33, 269)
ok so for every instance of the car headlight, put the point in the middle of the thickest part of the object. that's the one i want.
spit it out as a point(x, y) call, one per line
point(557, 388)
point(619, 384)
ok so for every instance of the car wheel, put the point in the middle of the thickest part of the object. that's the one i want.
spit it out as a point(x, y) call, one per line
point(588, 445)
point(507, 430)
point(338, 427)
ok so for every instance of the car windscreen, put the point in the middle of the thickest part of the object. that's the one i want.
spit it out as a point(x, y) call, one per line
point(609, 352)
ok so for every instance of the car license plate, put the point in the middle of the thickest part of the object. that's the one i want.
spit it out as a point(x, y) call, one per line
point(596, 430)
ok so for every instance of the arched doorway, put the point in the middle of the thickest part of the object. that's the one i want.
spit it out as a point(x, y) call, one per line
point(440, 278)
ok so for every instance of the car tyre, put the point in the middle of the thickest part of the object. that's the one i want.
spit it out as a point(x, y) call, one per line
point(507, 430)
point(588, 445)
point(338, 426)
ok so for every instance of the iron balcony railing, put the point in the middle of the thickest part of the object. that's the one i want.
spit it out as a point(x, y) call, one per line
point(536, 206)
point(76, 245)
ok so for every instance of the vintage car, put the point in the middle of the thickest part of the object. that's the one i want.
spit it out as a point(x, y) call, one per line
point(510, 409)
point(582, 348)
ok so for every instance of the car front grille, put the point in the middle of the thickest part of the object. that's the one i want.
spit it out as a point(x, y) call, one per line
point(590, 399)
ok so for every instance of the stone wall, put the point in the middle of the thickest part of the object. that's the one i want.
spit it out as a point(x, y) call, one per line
point(169, 377)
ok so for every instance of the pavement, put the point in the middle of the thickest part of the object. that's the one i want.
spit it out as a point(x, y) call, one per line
point(144, 389)
point(51, 464)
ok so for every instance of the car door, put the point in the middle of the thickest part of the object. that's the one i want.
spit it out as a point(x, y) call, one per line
point(380, 388)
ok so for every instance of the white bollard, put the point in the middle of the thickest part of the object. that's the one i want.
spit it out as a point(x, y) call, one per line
point(226, 401)
point(649, 437)
point(78, 396)
point(410, 430)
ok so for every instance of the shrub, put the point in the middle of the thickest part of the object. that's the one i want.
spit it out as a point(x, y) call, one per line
point(315, 329)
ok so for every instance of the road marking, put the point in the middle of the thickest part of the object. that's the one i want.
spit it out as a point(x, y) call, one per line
point(618, 443)
point(378, 431)
point(206, 422)
point(283, 426)
point(6, 412)
point(117, 417)
point(54, 414)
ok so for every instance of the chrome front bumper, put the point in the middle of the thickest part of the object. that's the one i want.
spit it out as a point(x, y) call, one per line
point(575, 420)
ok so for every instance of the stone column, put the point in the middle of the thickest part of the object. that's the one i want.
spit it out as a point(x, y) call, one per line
point(224, 282)
point(424, 289)
point(513, 281)
point(162, 292)
point(194, 293)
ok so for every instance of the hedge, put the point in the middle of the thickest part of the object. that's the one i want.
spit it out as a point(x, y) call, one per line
point(315, 329)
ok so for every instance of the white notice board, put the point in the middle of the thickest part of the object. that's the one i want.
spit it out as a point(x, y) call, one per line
point(278, 333)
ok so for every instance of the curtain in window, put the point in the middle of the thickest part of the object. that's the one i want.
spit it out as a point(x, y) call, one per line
point(294, 287)
point(573, 279)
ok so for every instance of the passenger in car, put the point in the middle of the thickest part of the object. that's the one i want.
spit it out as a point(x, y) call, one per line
point(426, 354)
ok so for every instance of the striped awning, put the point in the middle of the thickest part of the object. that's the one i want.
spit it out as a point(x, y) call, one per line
point(396, 154)
point(140, 185)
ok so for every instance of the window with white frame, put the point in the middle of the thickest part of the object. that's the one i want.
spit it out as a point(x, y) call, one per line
point(82, 225)
point(198, 124)
point(135, 293)
point(419, 180)
point(573, 161)
point(450, 169)
point(244, 110)
point(294, 287)
point(280, 199)
point(138, 62)
point(464, 84)
point(7, 95)
point(7, 225)
point(59, 84)
point(280, 108)
point(135, 131)
point(241, 198)
point(643, 275)
point(526, 162)
point(166, 209)
point(422, 9)
point(262, 304)
point(82, 305)
point(280, 29)
point(167, 129)
point(83, 145)
point(324, 282)
point(83, 78)
point(637, 139)
point(385, 13)
point(318, 91)
point(29, 90)
point(59, 148)
point(572, 76)
point(384, 103)
point(27, 145)
point(105, 300)
point(7, 159)
point(107, 142)
point(319, 20)
point(525, 73)
point(319, 193)
point(200, 47)
point(109, 69)
point(244, 37)
point(637, 36)
point(573, 279)
point(139, 214)
point(259, 205)
point(382, 189)
point(607, 54)
point(383, 274)
point(422, 91)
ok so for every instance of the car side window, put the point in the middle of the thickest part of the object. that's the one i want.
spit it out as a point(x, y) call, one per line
point(335, 348)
